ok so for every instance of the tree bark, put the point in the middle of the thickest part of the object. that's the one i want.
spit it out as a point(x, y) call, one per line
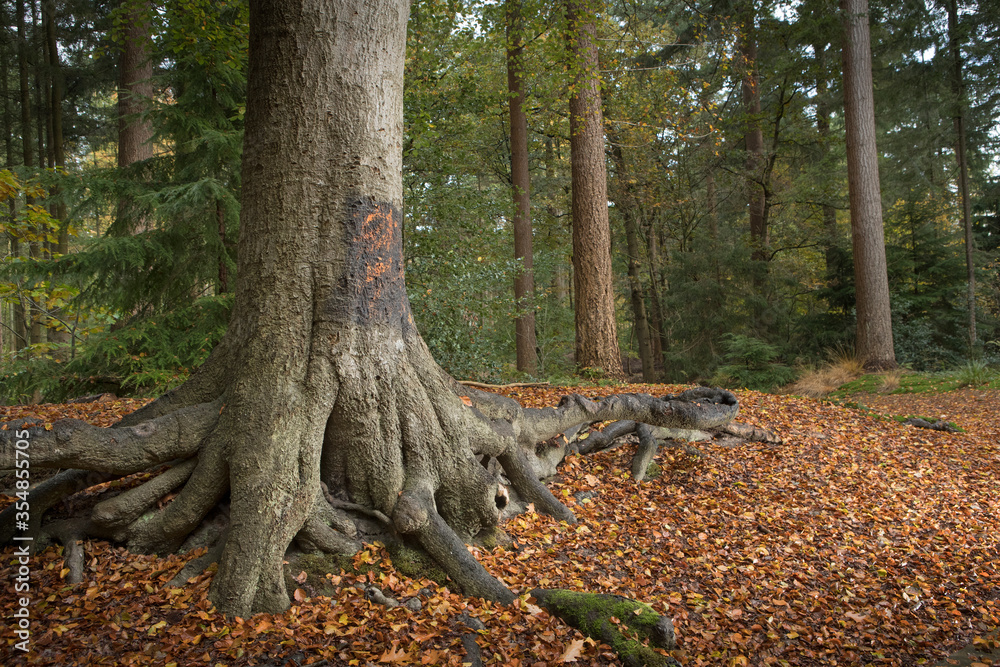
point(57, 331)
point(135, 90)
point(831, 254)
point(624, 202)
point(32, 315)
point(754, 137)
point(874, 317)
point(961, 148)
point(596, 327)
point(17, 311)
point(524, 283)
point(660, 339)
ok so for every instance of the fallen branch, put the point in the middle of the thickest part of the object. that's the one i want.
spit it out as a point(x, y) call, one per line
point(939, 425)
point(513, 385)
point(748, 432)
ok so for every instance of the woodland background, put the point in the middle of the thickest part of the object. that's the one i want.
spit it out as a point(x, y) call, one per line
point(122, 126)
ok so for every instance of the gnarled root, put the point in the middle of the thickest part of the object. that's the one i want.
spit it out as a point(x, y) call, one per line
point(393, 441)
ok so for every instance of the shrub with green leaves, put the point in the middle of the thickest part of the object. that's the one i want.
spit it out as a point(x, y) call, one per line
point(751, 363)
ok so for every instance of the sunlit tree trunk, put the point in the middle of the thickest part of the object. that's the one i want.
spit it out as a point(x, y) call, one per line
point(596, 328)
point(874, 317)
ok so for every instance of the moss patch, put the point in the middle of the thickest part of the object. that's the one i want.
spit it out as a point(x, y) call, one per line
point(316, 566)
point(619, 622)
point(417, 565)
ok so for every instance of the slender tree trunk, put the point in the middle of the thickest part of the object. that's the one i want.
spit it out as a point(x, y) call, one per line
point(659, 334)
point(524, 283)
point(58, 333)
point(754, 138)
point(135, 90)
point(961, 149)
point(624, 202)
point(34, 326)
point(874, 317)
point(596, 328)
point(17, 312)
point(831, 240)
point(711, 201)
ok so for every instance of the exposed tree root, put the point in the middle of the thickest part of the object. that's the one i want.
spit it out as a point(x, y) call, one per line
point(44, 496)
point(441, 473)
point(621, 623)
point(71, 443)
point(598, 441)
point(70, 533)
point(196, 566)
point(748, 432)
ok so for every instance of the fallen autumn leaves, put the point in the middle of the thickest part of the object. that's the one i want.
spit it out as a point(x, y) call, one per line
point(857, 541)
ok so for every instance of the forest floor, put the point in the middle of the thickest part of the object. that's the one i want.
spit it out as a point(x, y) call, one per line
point(858, 541)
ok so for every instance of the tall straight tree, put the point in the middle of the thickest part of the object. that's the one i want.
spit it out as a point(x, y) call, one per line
point(754, 137)
point(524, 283)
point(596, 328)
point(135, 90)
point(874, 317)
point(23, 66)
point(961, 150)
point(57, 334)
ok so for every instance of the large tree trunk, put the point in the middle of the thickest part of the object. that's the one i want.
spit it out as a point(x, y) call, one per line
point(596, 328)
point(874, 333)
point(524, 283)
point(961, 148)
point(322, 395)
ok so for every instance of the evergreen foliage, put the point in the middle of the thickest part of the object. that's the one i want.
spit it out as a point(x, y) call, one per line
point(143, 286)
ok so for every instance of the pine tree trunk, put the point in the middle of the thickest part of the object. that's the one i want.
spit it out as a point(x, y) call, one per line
point(961, 148)
point(524, 283)
point(660, 343)
point(831, 240)
point(753, 139)
point(58, 333)
point(874, 327)
point(135, 90)
point(31, 314)
point(624, 202)
point(20, 339)
point(596, 327)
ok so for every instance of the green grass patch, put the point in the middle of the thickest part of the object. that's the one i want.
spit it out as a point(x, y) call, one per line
point(978, 377)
